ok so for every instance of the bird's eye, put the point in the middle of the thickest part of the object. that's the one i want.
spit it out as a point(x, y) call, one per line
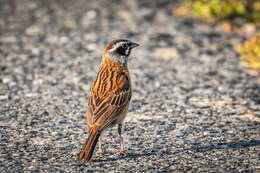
point(120, 50)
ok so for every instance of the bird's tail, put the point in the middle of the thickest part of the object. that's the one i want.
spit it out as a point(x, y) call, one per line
point(90, 144)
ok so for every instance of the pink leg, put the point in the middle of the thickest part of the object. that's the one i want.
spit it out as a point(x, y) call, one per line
point(122, 150)
point(100, 150)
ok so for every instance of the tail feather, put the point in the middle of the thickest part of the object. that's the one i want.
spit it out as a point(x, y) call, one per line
point(90, 145)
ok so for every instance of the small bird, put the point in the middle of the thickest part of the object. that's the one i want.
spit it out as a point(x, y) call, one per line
point(109, 97)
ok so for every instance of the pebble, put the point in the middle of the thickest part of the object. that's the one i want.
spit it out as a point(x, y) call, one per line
point(180, 134)
point(8, 39)
point(3, 97)
point(31, 94)
point(6, 80)
point(33, 30)
point(92, 14)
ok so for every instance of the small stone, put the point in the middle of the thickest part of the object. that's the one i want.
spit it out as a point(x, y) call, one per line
point(3, 97)
point(52, 38)
point(64, 39)
point(90, 37)
point(180, 134)
point(64, 145)
point(91, 47)
point(33, 30)
point(126, 15)
point(31, 94)
point(206, 133)
point(8, 39)
point(12, 83)
point(6, 80)
point(146, 11)
point(249, 28)
point(70, 23)
point(166, 53)
point(92, 14)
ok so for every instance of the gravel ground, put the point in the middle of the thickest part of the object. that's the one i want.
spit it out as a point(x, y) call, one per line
point(194, 108)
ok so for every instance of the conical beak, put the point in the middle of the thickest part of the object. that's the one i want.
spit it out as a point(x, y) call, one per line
point(133, 45)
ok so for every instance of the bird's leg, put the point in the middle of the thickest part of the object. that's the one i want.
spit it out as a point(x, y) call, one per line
point(100, 149)
point(122, 150)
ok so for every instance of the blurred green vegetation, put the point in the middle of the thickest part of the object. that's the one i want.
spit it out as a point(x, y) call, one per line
point(214, 10)
point(219, 10)
point(250, 51)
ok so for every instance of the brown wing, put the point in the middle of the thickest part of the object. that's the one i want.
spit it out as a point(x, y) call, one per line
point(110, 95)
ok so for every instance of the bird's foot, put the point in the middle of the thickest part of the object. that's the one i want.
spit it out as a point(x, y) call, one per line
point(101, 153)
point(121, 153)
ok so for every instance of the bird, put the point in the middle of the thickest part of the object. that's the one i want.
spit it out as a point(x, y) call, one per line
point(109, 97)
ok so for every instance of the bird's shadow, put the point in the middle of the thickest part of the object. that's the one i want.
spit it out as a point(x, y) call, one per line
point(128, 155)
point(225, 145)
point(195, 148)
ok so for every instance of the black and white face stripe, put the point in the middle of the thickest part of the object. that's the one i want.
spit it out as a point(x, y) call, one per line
point(121, 48)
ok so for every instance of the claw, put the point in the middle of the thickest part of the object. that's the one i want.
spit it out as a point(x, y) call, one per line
point(121, 153)
point(101, 153)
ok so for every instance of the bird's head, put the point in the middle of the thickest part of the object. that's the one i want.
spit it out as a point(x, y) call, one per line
point(119, 50)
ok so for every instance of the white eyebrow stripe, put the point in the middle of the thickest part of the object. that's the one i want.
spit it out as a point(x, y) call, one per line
point(116, 45)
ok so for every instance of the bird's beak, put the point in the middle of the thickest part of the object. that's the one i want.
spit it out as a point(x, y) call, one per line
point(133, 45)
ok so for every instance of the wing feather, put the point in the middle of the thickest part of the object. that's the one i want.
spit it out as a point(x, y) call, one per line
point(110, 96)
